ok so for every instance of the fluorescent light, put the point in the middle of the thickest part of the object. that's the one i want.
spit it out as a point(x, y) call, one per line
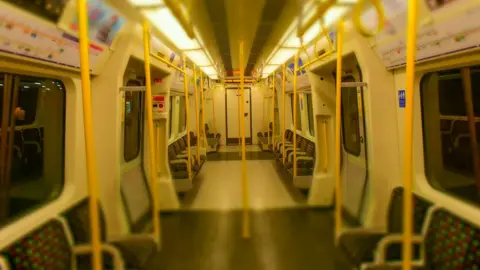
point(209, 70)
point(146, 2)
point(268, 69)
point(213, 77)
point(164, 20)
point(198, 57)
point(282, 56)
point(333, 14)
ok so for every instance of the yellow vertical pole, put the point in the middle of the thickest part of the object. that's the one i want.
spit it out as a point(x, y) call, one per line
point(246, 203)
point(338, 119)
point(273, 109)
point(295, 69)
point(197, 112)
point(408, 147)
point(88, 131)
point(214, 128)
point(283, 110)
point(202, 97)
point(151, 142)
point(239, 112)
point(187, 124)
point(266, 115)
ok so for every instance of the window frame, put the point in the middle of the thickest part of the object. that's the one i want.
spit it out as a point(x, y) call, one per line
point(57, 187)
point(354, 152)
point(446, 170)
point(182, 127)
point(140, 97)
point(311, 118)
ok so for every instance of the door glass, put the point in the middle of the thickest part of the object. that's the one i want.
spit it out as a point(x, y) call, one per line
point(350, 121)
point(133, 123)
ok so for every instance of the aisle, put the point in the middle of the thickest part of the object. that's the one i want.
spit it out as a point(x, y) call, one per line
point(220, 187)
point(288, 239)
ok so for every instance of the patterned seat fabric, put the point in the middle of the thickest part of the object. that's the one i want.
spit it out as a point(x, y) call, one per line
point(45, 248)
point(451, 243)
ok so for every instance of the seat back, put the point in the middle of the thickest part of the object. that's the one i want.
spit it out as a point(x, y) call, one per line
point(395, 212)
point(46, 247)
point(171, 152)
point(310, 149)
point(451, 242)
point(79, 222)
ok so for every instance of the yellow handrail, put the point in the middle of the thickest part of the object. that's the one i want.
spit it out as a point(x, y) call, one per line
point(202, 96)
point(283, 110)
point(187, 124)
point(357, 17)
point(197, 116)
point(325, 145)
point(273, 109)
point(408, 144)
point(151, 142)
point(168, 63)
point(214, 128)
point(295, 68)
point(246, 203)
point(338, 119)
point(88, 131)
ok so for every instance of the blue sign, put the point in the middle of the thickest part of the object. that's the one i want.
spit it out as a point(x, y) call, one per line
point(401, 98)
point(300, 63)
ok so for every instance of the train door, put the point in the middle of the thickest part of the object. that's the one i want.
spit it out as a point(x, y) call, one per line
point(354, 156)
point(232, 102)
point(134, 187)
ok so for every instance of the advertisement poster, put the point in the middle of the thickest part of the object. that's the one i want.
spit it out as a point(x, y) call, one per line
point(103, 22)
point(28, 37)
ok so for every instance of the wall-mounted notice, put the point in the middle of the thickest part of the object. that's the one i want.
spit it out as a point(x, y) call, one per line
point(24, 35)
point(401, 98)
point(103, 22)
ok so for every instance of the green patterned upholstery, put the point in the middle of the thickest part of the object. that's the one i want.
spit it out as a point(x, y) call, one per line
point(451, 243)
point(46, 248)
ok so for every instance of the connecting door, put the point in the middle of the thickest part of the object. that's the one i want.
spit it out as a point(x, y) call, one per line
point(354, 155)
point(232, 109)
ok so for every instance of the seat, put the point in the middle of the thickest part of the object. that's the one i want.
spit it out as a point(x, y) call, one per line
point(135, 249)
point(51, 246)
point(450, 242)
point(359, 245)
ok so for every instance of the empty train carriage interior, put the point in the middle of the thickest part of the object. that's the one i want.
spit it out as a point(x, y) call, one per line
point(212, 134)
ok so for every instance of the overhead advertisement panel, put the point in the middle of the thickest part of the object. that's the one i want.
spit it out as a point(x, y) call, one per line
point(448, 31)
point(25, 35)
point(104, 23)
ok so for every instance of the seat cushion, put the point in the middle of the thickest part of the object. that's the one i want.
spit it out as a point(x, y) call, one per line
point(359, 247)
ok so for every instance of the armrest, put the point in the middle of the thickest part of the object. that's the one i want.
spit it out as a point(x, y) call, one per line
point(289, 153)
point(362, 231)
point(179, 161)
point(457, 139)
point(39, 149)
point(397, 265)
point(135, 238)
point(118, 261)
point(395, 238)
point(304, 158)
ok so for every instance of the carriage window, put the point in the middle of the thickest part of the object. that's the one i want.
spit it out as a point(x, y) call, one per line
point(32, 121)
point(182, 126)
point(350, 120)
point(170, 117)
point(449, 156)
point(310, 114)
point(133, 123)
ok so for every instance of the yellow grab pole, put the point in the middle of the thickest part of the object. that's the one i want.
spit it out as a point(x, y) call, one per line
point(214, 128)
point(197, 116)
point(283, 111)
point(338, 115)
point(153, 168)
point(295, 68)
point(88, 130)
point(408, 146)
point(266, 116)
point(273, 109)
point(325, 144)
point(239, 110)
point(187, 125)
point(202, 97)
point(246, 203)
